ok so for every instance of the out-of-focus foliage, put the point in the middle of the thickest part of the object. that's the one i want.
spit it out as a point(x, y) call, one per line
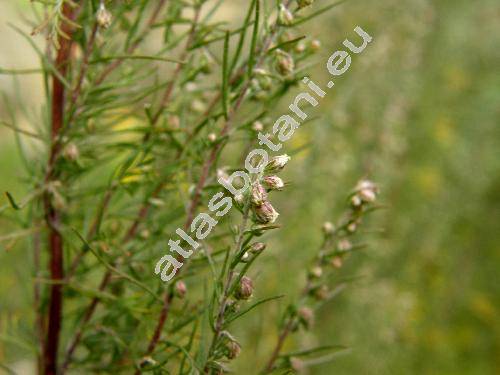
point(418, 113)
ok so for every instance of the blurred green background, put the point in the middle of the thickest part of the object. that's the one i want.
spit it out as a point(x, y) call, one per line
point(418, 113)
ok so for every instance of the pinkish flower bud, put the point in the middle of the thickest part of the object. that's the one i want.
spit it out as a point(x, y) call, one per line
point(344, 245)
point(273, 182)
point(366, 191)
point(265, 213)
point(297, 364)
point(180, 289)
point(259, 195)
point(306, 316)
point(257, 126)
point(257, 247)
point(244, 289)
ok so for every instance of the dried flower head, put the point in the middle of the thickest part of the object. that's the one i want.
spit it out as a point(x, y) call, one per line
point(265, 213)
point(244, 289)
point(103, 16)
point(273, 182)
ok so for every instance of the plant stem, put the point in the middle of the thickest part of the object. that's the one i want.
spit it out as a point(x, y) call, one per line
point(52, 215)
point(227, 287)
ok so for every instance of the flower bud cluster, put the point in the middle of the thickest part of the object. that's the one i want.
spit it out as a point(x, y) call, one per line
point(264, 212)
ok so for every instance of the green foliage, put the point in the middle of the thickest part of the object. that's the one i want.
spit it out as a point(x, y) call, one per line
point(170, 95)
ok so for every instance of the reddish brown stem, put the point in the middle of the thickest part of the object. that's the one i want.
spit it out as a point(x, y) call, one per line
point(279, 345)
point(52, 215)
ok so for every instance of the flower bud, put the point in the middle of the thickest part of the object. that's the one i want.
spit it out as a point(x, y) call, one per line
point(147, 362)
point(306, 316)
point(259, 195)
point(71, 152)
point(344, 245)
point(356, 201)
point(367, 191)
point(300, 47)
point(245, 257)
point(257, 126)
point(198, 106)
point(284, 63)
point(277, 163)
point(239, 198)
point(263, 79)
point(316, 272)
point(337, 261)
point(304, 3)
point(285, 17)
point(233, 349)
point(352, 227)
point(145, 233)
point(212, 137)
point(257, 247)
point(103, 16)
point(180, 289)
point(265, 213)
point(321, 293)
point(315, 45)
point(273, 182)
point(328, 228)
point(174, 122)
point(244, 289)
point(297, 364)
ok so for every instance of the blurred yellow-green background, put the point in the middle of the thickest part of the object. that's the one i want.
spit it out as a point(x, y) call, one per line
point(418, 112)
